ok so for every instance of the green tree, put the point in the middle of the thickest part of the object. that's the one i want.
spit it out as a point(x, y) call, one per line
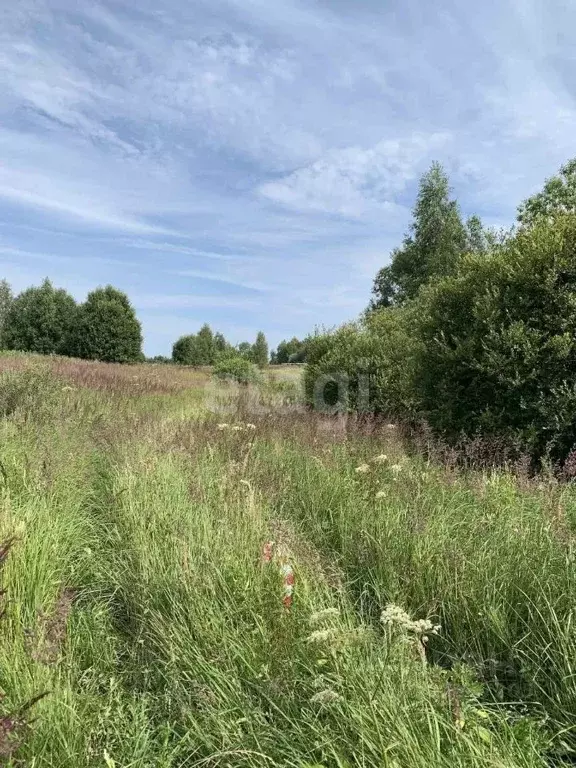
point(288, 351)
point(6, 299)
point(498, 342)
point(201, 348)
point(259, 352)
point(183, 350)
point(436, 240)
point(244, 349)
point(220, 343)
point(107, 328)
point(41, 319)
point(205, 346)
point(478, 239)
point(558, 197)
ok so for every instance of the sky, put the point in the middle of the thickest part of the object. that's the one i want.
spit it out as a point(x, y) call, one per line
point(252, 163)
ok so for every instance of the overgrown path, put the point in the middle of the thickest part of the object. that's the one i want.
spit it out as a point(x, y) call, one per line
point(139, 597)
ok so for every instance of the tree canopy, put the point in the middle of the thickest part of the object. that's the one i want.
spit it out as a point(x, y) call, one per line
point(41, 319)
point(107, 328)
point(436, 239)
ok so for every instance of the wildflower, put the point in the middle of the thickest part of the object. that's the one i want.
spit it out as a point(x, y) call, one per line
point(381, 495)
point(362, 469)
point(236, 428)
point(287, 573)
point(322, 636)
point(250, 426)
point(381, 459)
point(325, 613)
point(394, 615)
point(327, 696)
point(396, 468)
point(222, 427)
point(390, 426)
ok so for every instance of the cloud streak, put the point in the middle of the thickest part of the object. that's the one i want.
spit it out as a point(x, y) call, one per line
point(255, 160)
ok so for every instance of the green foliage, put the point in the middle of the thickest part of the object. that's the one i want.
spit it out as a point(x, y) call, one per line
point(205, 346)
point(244, 349)
point(498, 350)
point(259, 351)
point(6, 299)
point(367, 367)
point(195, 349)
point(107, 328)
point(220, 343)
point(183, 350)
point(436, 241)
point(148, 613)
point(41, 319)
point(556, 199)
point(291, 351)
point(237, 369)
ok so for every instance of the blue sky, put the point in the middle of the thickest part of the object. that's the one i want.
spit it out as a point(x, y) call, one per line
point(251, 163)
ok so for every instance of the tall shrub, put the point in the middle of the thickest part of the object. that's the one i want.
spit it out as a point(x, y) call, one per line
point(41, 319)
point(259, 352)
point(366, 367)
point(107, 328)
point(498, 352)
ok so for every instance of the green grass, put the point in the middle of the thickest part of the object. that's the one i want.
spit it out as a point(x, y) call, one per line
point(137, 597)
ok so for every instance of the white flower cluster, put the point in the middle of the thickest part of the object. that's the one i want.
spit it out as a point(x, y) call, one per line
point(322, 635)
point(235, 427)
point(395, 616)
point(327, 696)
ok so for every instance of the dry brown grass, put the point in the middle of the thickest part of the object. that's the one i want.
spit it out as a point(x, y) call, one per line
point(145, 378)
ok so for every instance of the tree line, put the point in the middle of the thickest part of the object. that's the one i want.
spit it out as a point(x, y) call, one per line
point(209, 348)
point(48, 321)
point(470, 330)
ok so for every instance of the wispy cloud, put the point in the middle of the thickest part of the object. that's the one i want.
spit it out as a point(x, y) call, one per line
point(256, 159)
point(355, 182)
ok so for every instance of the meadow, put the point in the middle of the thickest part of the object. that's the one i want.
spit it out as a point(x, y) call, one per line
point(152, 524)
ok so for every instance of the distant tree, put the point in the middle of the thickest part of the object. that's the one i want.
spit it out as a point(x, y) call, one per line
point(478, 240)
point(205, 346)
point(202, 348)
point(41, 319)
point(6, 299)
point(558, 197)
point(220, 343)
point(107, 328)
point(288, 349)
point(259, 352)
point(436, 240)
point(183, 350)
point(244, 349)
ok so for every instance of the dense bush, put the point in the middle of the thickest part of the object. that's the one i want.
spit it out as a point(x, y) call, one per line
point(107, 328)
point(367, 366)
point(41, 319)
point(237, 369)
point(498, 352)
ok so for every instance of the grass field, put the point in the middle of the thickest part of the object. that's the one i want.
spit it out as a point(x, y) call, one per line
point(145, 597)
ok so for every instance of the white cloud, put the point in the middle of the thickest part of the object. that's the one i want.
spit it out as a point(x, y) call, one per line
point(353, 181)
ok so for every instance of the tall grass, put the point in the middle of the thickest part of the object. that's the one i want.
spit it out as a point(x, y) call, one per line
point(140, 601)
